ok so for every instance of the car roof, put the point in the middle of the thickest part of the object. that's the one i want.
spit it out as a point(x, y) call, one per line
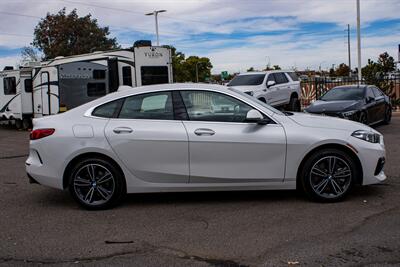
point(263, 72)
point(352, 86)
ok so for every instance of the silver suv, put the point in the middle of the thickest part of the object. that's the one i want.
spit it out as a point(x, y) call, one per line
point(277, 87)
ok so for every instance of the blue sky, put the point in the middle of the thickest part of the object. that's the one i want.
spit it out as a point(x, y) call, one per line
point(236, 35)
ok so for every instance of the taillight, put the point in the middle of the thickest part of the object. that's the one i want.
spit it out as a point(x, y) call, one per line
point(40, 133)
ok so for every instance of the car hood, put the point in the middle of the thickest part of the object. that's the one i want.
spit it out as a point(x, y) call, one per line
point(320, 106)
point(318, 121)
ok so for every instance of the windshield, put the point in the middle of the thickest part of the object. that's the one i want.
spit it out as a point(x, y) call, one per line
point(344, 93)
point(250, 79)
point(258, 101)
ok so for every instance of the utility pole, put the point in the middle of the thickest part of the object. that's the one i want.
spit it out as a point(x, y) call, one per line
point(359, 42)
point(155, 13)
point(348, 48)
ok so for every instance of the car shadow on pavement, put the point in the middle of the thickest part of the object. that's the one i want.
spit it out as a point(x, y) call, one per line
point(56, 199)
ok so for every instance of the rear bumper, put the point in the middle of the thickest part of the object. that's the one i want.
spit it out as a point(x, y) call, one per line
point(41, 174)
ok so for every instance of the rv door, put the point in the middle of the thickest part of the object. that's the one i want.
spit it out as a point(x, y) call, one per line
point(45, 90)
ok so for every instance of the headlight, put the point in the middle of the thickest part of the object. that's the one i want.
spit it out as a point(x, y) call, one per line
point(367, 136)
point(349, 113)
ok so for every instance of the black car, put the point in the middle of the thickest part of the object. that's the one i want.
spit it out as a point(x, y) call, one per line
point(363, 103)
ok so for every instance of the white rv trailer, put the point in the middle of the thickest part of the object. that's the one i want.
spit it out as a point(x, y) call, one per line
point(16, 96)
point(67, 82)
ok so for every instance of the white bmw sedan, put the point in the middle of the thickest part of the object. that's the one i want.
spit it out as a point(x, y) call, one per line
point(193, 137)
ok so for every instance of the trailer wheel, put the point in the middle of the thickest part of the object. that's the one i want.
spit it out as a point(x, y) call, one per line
point(18, 124)
point(26, 123)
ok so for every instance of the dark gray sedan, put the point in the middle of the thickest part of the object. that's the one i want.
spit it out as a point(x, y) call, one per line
point(363, 103)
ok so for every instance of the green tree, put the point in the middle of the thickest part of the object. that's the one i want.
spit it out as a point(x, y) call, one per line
point(203, 66)
point(276, 67)
point(374, 72)
point(342, 70)
point(64, 34)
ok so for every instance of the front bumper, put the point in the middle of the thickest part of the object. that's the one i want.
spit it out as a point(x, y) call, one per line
point(372, 158)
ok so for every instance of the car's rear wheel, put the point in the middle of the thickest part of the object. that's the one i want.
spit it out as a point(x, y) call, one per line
point(388, 115)
point(294, 104)
point(328, 175)
point(96, 184)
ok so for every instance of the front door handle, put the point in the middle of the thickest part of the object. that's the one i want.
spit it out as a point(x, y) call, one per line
point(120, 130)
point(204, 131)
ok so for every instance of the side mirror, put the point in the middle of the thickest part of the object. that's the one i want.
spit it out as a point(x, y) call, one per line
point(255, 116)
point(270, 83)
point(370, 99)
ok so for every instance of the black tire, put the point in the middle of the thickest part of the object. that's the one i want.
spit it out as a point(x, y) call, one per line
point(294, 104)
point(18, 124)
point(26, 123)
point(109, 194)
point(363, 118)
point(388, 115)
point(332, 183)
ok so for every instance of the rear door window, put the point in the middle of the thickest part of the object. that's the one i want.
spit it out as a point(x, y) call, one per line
point(108, 110)
point(151, 106)
point(280, 78)
point(293, 76)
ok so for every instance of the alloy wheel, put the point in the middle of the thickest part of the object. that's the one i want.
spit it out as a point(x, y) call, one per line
point(330, 177)
point(94, 184)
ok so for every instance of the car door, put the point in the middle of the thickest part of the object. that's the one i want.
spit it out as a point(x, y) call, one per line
point(371, 105)
point(226, 149)
point(283, 87)
point(380, 103)
point(147, 139)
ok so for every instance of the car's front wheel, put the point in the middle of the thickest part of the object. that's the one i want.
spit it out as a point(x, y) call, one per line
point(95, 184)
point(328, 175)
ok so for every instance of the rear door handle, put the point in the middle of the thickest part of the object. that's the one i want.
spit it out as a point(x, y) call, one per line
point(204, 131)
point(120, 130)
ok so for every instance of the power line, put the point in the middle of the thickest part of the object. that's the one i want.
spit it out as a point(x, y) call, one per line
point(17, 14)
point(137, 12)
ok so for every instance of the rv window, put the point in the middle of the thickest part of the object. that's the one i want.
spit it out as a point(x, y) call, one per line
point(99, 74)
point(108, 110)
point(28, 85)
point(154, 75)
point(127, 75)
point(10, 86)
point(96, 89)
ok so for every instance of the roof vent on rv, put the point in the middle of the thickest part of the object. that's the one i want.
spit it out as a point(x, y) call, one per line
point(140, 43)
point(8, 68)
point(59, 57)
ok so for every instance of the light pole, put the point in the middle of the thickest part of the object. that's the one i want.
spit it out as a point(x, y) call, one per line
point(155, 13)
point(359, 42)
point(269, 61)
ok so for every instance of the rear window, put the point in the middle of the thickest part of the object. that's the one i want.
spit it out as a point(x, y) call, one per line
point(293, 76)
point(10, 86)
point(250, 79)
point(108, 110)
point(154, 75)
point(99, 74)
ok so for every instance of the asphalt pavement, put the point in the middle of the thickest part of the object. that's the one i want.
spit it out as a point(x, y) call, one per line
point(40, 225)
